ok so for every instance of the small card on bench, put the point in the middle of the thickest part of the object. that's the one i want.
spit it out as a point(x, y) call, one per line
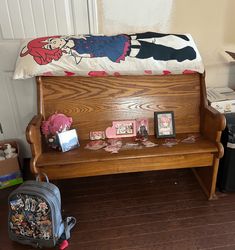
point(68, 140)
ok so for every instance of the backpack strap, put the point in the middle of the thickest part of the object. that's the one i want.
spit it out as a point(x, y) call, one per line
point(38, 177)
point(69, 223)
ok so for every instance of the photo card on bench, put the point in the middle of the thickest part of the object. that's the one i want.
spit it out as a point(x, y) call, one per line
point(68, 140)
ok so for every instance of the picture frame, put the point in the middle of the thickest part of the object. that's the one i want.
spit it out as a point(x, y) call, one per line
point(68, 140)
point(164, 124)
point(124, 128)
point(119, 129)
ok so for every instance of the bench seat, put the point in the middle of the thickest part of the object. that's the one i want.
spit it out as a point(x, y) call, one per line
point(84, 162)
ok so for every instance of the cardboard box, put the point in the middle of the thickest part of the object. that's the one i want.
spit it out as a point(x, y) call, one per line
point(222, 99)
point(10, 173)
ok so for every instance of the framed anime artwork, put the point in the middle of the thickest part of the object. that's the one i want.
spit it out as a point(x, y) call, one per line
point(164, 124)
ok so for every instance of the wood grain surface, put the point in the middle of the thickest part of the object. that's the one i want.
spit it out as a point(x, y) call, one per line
point(94, 102)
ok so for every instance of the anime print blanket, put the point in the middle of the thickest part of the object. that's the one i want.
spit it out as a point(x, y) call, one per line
point(99, 55)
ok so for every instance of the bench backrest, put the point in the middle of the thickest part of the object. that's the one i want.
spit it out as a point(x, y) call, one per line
point(94, 102)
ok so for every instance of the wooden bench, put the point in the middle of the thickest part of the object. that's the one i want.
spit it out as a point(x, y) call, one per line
point(94, 102)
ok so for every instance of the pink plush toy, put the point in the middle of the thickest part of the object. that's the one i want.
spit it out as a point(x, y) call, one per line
point(56, 123)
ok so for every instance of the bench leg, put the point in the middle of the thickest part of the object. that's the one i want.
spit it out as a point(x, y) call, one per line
point(207, 177)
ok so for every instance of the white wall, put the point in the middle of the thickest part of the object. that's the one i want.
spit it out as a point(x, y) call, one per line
point(17, 98)
point(210, 22)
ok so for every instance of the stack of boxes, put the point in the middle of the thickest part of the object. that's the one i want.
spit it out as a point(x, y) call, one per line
point(10, 173)
point(222, 99)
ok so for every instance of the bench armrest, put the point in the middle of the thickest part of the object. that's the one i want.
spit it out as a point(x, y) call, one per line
point(33, 135)
point(212, 125)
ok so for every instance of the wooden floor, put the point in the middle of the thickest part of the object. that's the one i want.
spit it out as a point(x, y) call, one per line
point(154, 210)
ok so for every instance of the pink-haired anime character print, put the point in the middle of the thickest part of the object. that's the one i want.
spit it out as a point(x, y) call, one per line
point(116, 48)
point(38, 49)
point(46, 49)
